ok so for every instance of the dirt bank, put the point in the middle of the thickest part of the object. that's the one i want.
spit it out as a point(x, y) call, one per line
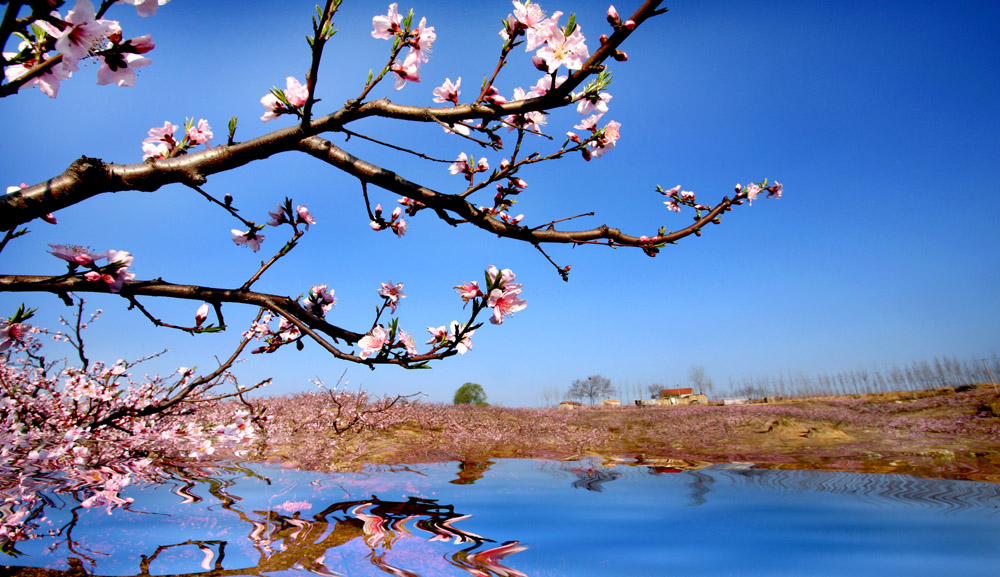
point(947, 433)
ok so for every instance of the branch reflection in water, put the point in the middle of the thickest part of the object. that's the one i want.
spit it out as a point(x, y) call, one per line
point(512, 518)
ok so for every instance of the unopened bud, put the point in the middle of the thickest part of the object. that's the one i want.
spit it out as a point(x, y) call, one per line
point(228, 199)
point(539, 63)
point(586, 154)
point(613, 15)
point(630, 25)
point(620, 56)
point(604, 39)
point(49, 218)
point(201, 315)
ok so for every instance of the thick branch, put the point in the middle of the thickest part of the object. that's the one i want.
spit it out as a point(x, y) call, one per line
point(88, 177)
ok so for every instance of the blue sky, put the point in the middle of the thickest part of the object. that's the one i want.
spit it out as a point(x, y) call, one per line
point(879, 118)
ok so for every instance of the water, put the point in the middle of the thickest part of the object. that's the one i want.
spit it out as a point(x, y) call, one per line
point(515, 518)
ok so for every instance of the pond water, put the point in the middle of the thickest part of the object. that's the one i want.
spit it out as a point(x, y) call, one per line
point(517, 518)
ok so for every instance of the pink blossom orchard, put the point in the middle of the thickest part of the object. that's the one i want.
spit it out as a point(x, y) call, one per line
point(573, 71)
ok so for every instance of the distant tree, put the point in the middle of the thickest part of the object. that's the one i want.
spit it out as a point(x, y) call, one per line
point(654, 390)
point(700, 380)
point(470, 394)
point(591, 388)
point(550, 395)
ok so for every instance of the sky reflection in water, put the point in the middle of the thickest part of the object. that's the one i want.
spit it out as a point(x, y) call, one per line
point(537, 518)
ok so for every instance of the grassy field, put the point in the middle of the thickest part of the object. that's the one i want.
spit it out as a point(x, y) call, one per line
point(945, 432)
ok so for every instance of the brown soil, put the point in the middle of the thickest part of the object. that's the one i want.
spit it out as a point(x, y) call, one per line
point(945, 433)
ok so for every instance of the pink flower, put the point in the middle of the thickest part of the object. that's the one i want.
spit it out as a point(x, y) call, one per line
point(201, 133)
point(505, 302)
point(468, 291)
point(385, 27)
point(589, 123)
point(673, 192)
point(296, 93)
point(319, 302)
point(544, 84)
point(465, 344)
point(399, 228)
point(448, 92)
point(672, 205)
point(595, 102)
point(161, 142)
point(774, 191)
point(278, 216)
point(751, 191)
point(123, 260)
point(531, 19)
point(14, 333)
point(145, 8)
point(607, 140)
point(201, 315)
point(48, 83)
point(506, 277)
point(76, 254)
point(303, 216)
point(407, 341)
point(424, 37)
point(251, 238)
point(154, 150)
point(119, 68)
point(373, 342)
point(559, 49)
point(83, 32)
point(437, 334)
point(409, 70)
point(461, 165)
point(392, 292)
point(273, 107)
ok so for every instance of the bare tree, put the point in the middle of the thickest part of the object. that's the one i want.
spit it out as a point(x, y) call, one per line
point(700, 380)
point(591, 388)
point(550, 395)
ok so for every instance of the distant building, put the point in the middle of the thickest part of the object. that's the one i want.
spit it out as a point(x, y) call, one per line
point(735, 401)
point(675, 397)
point(569, 405)
point(611, 403)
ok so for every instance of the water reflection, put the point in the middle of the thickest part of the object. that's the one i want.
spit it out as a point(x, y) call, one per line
point(514, 518)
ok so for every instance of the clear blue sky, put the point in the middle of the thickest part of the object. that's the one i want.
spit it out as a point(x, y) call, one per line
point(879, 118)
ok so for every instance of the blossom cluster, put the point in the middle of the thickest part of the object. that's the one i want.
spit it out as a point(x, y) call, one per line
point(163, 142)
point(95, 426)
point(283, 214)
point(396, 221)
point(287, 101)
point(114, 273)
point(419, 40)
point(750, 191)
point(76, 37)
point(556, 45)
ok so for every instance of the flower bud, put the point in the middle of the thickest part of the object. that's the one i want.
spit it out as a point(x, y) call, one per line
point(49, 218)
point(613, 18)
point(604, 39)
point(620, 56)
point(201, 315)
point(630, 25)
point(539, 63)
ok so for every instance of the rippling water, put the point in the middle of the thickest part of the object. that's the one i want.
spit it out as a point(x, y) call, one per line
point(515, 518)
